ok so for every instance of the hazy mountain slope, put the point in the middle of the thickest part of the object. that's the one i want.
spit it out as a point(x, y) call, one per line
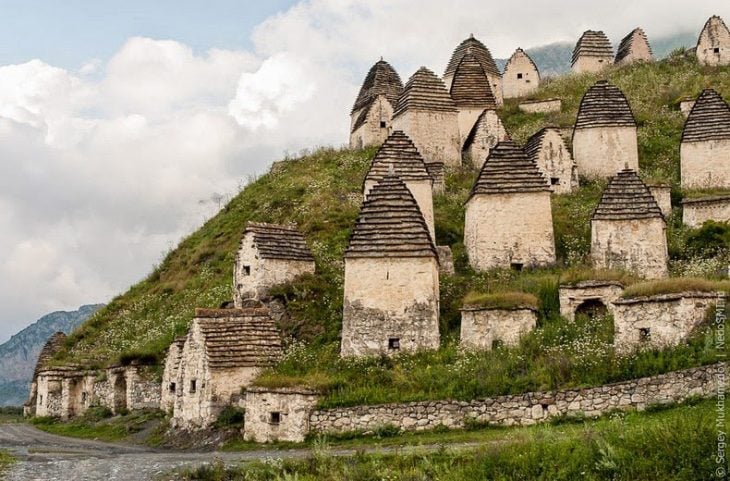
point(18, 355)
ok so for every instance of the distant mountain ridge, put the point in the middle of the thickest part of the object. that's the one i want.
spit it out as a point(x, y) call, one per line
point(554, 58)
point(19, 354)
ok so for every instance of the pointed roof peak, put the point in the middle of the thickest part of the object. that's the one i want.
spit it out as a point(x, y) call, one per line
point(508, 169)
point(592, 43)
point(709, 119)
point(479, 50)
point(424, 91)
point(382, 79)
point(604, 105)
point(398, 156)
point(390, 224)
point(627, 197)
point(470, 86)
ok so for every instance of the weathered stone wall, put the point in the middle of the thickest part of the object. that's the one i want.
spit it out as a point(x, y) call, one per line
point(640, 51)
point(696, 212)
point(685, 106)
point(659, 321)
point(203, 393)
point(262, 273)
point(277, 414)
point(467, 117)
point(600, 152)
point(585, 63)
point(481, 328)
point(435, 135)
point(488, 133)
point(390, 298)
point(638, 246)
point(143, 390)
point(573, 297)
point(713, 46)
point(524, 409)
point(520, 78)
point(663, 195)
point(446, 260)
point(171, 377)
point(505, 229)
point(50, 391)
point(541, 106)
point(376, 128)
point(556, 163)
point(705, 164)
point(422, 191)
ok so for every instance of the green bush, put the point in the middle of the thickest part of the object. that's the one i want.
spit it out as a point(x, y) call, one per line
point(230, 417)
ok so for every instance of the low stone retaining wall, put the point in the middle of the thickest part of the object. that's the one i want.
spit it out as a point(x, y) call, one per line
point(522, 409)
point(697, 211)
point(541, 106)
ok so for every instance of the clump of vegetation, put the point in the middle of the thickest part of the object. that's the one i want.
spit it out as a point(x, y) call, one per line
point(6, 460)
point(501, 300)
point(230, 417)
point(98, 423)
point(575, 275)
point(671, 444)
point(675, 285)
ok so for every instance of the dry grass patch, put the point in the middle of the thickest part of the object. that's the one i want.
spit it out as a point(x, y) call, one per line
point(675, 285)
point(501, 300)
point(579, 274)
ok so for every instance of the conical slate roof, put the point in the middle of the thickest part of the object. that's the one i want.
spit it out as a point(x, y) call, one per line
point(709, 119)
point(509, 170)
point(470, 87)
point(628, 43)
point(476, 48)
point(715, 21)
point(275, 241)
point(426, 92)
point(592, 44)
point(625, 198)
point(604, 105)
point(390, 224)
point(50, 348)
point(382, 79)
point(399, 154)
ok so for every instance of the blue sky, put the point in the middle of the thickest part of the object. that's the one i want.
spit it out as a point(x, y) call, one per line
point(69, 33)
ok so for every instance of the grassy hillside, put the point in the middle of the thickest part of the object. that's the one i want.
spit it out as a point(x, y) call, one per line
point(321, 193)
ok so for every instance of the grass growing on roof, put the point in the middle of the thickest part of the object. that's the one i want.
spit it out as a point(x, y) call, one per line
point(501, 300)
point(574, 275)
point(675, 285)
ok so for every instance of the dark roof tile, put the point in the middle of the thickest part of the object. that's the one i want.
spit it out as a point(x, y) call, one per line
point(709, 119)
point(626, 197)
point(509, 170)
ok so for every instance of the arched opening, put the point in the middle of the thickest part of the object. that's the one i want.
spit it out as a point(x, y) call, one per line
point(120, 393)
point(592, 308)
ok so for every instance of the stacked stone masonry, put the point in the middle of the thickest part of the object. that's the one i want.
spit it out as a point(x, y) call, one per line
point(50, 348)
point(428, 115)
point(524, 409)
point(604, 137)
point(487, 132)
point(634, 47)
point(696, 212)
point(278, 414)
point(705, 147)
point(521, 77)
point(541, 106)
point(508, 215)
point(391, 291)
point(268, 255)
point(548, 150)
point(471, 93)
point(372, 113)
point(713, 44)
point(628, 230)
point(473, 46)
point(659, 321)
point(588, 297)
point(663, 195)
point(487, 328)
point(592, 53)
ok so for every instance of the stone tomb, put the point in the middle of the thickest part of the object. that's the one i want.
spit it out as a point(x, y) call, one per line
point(171, 374)
point(604, 136)
point(508, 216)
point(485, 328)
point(428, 115)
point(278, 414)
point(548, 150)
point(484, 56)
point(696, 212)
point(391, 298)
point(592, 53)
point(705, 149)
point(663, 195)
point(50, 348)
point(398, 156)
point(487, 132)
point(628, 230)
point(372, 114)
point(225, 350)
point(521, 77)
point(713, 44)
point(634, 47)
point(268, 255)
point(471, 94)
point(589, 297)
point(659, 321)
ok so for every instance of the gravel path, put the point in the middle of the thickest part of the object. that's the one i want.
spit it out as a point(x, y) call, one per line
point(48, 457)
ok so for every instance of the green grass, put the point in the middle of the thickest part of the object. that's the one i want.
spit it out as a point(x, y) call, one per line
point(99, 424)
point(321, 192)
point(6, 460)
point(670, 444)
point(675, 285)
point(11, 414)
point(501, 300)
point(576, 275)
